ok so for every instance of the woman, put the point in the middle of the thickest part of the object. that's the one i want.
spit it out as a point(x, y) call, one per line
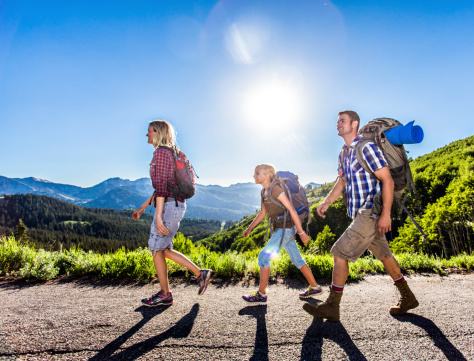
point(168, 213)
point(283, 234)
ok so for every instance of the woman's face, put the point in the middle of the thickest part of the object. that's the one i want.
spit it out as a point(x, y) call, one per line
point(150, 134)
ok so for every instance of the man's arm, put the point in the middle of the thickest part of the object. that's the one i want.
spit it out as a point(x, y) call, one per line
point(385, 220)
point(333, 195)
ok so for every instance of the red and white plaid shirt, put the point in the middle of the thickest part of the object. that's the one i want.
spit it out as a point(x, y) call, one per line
point(162, 169)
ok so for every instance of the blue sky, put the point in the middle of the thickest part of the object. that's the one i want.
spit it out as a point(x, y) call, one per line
point(244, 82)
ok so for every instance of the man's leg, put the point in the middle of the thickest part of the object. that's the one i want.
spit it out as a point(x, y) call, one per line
point(330, 308)
point(340, 271)
point(407, 299)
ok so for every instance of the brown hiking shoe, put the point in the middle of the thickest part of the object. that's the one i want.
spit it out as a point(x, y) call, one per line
point(407, 300)
point(328, 309)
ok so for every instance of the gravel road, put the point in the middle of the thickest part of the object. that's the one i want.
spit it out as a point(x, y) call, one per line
point(83, 321)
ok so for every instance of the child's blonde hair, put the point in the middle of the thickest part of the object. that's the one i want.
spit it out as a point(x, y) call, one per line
point(164, 133)
point(267, 168)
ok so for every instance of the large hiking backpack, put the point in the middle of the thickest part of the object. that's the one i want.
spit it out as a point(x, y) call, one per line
point(185, 176)
point(396, 157)
point(295, 193)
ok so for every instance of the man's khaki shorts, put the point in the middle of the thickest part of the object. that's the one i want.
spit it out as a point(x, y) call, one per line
point(362, 234)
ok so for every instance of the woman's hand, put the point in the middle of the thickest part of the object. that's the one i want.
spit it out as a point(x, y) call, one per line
point(160, 227)
point(138, 213)
point(304, 237)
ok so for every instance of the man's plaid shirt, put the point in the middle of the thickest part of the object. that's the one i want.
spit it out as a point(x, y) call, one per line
point(360, 185)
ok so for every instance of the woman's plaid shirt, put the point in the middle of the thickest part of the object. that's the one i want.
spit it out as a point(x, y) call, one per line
point(360, 186)
point(162, 168)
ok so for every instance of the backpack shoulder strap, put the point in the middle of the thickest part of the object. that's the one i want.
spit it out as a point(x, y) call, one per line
point(359, 147)
point(270, 196)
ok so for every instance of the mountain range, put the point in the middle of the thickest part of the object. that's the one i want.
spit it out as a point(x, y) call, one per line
point(210, 202)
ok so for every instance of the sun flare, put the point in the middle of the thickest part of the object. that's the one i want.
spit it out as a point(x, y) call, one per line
point(274, 105)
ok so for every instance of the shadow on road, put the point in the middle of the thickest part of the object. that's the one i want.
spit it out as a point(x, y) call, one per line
point(334, 331)
point(260, 351)
point(181, 329)
point(433, 331)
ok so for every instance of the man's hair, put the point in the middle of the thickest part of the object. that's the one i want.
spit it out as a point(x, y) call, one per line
point(353, 115)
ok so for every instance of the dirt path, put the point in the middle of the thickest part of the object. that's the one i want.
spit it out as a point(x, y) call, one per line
point(70, 321)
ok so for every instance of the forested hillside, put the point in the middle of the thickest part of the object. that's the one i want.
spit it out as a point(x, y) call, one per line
point(443, 205)
point(52, 224)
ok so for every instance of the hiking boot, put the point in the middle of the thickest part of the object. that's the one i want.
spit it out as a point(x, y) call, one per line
point(255, 297)
point(407, 300)
point(158, 299)
point(310, 291)
point(328, 309)
point(203, 280)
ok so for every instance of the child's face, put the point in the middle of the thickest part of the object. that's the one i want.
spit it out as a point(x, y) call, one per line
point(260, 176)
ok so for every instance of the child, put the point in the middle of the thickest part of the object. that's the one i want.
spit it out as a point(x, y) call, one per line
point(282, 235)
point(168, 214)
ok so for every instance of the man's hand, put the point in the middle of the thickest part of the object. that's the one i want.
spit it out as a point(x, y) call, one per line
point(384, 223)
point(304, 238)
point(322, 208)
point(160, 227)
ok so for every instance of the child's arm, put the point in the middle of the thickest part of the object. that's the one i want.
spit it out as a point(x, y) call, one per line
point(294, 217)
point(258, 218)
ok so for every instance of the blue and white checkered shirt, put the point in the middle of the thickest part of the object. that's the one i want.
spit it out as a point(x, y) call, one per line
point(361, 186)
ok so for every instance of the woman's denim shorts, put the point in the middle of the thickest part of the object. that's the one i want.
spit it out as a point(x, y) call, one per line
point(172, 216)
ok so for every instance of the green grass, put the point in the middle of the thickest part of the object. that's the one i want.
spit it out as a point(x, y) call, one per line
point(22, 260)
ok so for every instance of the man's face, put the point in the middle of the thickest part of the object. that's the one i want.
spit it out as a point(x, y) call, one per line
point(345, 125)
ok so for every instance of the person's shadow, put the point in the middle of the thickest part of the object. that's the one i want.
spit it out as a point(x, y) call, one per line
point(181, 329)
point(438, 337)
point(335, 331)
point(260, 351)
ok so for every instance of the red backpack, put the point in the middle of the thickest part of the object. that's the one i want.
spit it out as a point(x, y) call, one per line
point(185, 176)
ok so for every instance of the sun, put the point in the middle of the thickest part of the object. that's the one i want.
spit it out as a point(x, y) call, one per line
point(272, 105)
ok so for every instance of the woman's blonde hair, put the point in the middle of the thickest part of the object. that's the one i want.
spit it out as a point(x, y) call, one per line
point(164, 133)
point(267, 168)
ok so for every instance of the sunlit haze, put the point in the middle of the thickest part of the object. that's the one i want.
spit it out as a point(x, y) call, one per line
point(243, 82)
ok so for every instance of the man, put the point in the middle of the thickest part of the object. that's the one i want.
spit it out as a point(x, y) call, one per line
point(367, 230)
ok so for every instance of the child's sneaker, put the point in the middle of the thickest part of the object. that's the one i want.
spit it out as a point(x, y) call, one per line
point(310, 291)
point(158, 299)
point(204, 279)
point(255, 297)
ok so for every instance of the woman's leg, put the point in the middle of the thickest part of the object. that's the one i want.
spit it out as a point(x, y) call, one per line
point(161, 270)
point(182, 260)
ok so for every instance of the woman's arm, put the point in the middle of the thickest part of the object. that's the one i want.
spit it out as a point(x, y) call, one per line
point(140, 210)
point(258, 218)
point(160, 205)
point(294, 217)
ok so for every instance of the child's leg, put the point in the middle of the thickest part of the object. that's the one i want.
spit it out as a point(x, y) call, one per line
point(265, 257)
point(306, 271)
point(297, 260)
point(182, 260)
point(161, 270)
point(264, 277)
